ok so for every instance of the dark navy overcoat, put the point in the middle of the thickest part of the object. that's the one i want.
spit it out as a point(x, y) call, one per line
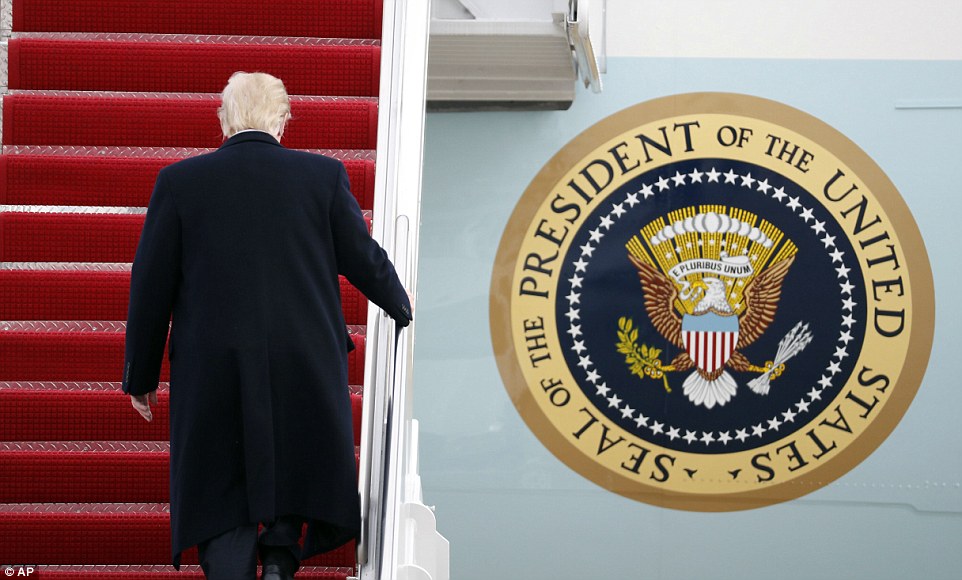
point(243, 247)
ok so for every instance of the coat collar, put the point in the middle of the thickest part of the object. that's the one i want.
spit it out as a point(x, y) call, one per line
point(247, 136)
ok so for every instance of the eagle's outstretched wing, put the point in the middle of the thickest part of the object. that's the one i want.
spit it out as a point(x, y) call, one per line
point(761, 302)
point(660, 295)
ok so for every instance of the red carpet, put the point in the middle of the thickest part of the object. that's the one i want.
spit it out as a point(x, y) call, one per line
point(174, 120)
point(317, 18)
point(99, 295)
point(69, 237)
point(125, 178)
point(198, 65)
point(105, 93)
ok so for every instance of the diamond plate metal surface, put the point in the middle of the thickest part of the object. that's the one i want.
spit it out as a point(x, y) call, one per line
point(162, 152)
point(195, 38)
point(6, 18)
point(70, 386)
point(62, 326)
point(4, 65)
point(85, 508)
point(86, 446)
point(81, 209)
point(76, 266)
point(98, 326)
point(179, 96)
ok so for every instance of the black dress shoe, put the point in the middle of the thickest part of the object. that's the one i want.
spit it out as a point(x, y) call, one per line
point(275, 572)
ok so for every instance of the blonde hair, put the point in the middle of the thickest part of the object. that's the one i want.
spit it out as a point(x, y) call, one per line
point(254, 101)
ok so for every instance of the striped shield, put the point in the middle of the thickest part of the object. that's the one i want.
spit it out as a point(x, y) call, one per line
point(709, 339)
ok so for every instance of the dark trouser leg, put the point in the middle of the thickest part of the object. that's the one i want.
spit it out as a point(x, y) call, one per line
point(277, 542)
point(231, 555)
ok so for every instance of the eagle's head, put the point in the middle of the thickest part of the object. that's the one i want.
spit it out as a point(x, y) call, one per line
point(714, 298)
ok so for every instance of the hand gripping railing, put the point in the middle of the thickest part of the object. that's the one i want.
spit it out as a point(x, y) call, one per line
point(386, 415)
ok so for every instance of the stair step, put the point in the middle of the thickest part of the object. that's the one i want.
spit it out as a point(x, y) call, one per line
point(93, 533)
point(96, 471)
point(145, 572)
point(50, 236)
point(100, 295)
point(174, 120)
point(90, 471)
point(91, 411)
point(318, 18)
point(190, 64)
point(95, 177)
point(93, 351)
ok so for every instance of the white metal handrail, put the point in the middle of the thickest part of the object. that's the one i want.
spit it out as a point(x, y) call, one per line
point(397, 205)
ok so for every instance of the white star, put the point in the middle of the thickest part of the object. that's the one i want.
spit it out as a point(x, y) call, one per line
point(802, 406)
point(596, 235)
point(818, 226)
point(847, 287)
point(695, 176)
point(825, 382)
point(789, 416)
point(662, 184)
point(848, 304)
point(730, 176)
point(647, 191)
point(603, 389)
point(627, 413)
point(713, 175)
point(690, 437)
point(747, 180)
point(673, 433)
point(774, 424)
point(606, 222)
point(834, 367)
point(573, 297)
point(580, 265)
point(678, 178)
point(758, 430)
point(843, 271)
point(779, 193)
point(584, 361)
point(632, 199)
point(741, 435)
point(793, 203)
point(724, 437)
point(836, 255)
point(572, 314)
point(657, 428)
point(575, 330)
point(841, 352)
point(815, 394)
point(614, 401)
point(848, 320)
point(587, 250)
point(707, 437)
point(828, 240)
point(641, 420)
point(763, 186)
point(579, 346)
point(845, 336)
point(576, 281)
point(807, 214)
point(618, 209)
point(594, 377)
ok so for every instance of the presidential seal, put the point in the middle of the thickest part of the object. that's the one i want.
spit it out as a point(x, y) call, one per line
point(711, 302)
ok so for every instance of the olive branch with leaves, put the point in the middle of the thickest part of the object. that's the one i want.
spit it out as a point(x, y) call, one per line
point(643, 360)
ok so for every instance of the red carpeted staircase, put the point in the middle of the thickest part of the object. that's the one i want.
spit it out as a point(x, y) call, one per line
point(102, 95)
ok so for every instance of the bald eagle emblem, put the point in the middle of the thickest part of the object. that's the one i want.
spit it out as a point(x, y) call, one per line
point(711, 304)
